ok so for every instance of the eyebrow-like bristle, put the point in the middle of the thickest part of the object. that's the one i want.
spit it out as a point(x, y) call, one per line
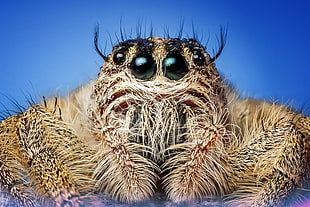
point(221, 42)
point(96, 35)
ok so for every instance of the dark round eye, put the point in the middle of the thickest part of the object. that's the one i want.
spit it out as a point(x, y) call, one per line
point(119, 57)
point(198, 58)
point(175, 67)
point(143, 66)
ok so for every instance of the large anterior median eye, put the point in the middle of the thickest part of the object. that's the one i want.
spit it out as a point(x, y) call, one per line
point(143, 66)
point(175, 67)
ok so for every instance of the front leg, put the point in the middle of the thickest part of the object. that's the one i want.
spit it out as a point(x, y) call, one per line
point(289, 171)
point(56, 160)
point(201, 170)
point(272, 163)
point(13, 191)
point(121, 172)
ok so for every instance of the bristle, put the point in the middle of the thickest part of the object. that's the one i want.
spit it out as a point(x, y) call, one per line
point(221, 42)
point(96, 36)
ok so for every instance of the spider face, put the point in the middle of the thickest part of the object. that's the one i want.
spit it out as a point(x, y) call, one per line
point(152, 90)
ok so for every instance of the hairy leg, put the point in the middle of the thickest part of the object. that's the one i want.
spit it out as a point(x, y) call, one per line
point(272, 160)
point(121, 172)
point(200, 168)
point(47, 149)
point(13, 191)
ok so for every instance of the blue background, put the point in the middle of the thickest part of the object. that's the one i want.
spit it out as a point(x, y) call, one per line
point(46, 47)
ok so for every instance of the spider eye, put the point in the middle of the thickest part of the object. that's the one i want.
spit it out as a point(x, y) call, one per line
point(175, 67)
point(119, 58)
point(143, 66)
point(198, 58)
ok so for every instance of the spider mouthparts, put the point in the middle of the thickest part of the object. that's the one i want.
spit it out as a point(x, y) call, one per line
point(116, 95)
point(190, 103)
point(160, 97)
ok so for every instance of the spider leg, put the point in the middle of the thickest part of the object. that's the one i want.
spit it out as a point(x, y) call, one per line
point(12, 189)
point(48, 152)
point(200, 170)
point(121, 172)
point(271, 163)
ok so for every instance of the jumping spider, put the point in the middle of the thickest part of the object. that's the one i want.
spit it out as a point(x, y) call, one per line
point(159, 120)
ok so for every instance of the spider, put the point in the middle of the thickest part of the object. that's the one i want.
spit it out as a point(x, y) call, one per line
point(159, 123)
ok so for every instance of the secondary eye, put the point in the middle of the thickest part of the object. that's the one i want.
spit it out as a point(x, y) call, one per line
point(119, 58)
point(199, 58)
point(143, 66)
point(175, 67)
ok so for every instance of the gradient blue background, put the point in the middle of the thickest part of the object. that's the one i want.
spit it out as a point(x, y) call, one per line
point(46, 46)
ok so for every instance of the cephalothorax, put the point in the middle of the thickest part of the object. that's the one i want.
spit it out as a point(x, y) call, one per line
point(159, 120)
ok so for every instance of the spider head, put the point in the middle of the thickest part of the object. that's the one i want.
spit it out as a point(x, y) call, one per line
point(155, 90)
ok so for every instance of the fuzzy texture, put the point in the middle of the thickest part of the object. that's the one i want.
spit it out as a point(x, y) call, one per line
point(159, 120)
